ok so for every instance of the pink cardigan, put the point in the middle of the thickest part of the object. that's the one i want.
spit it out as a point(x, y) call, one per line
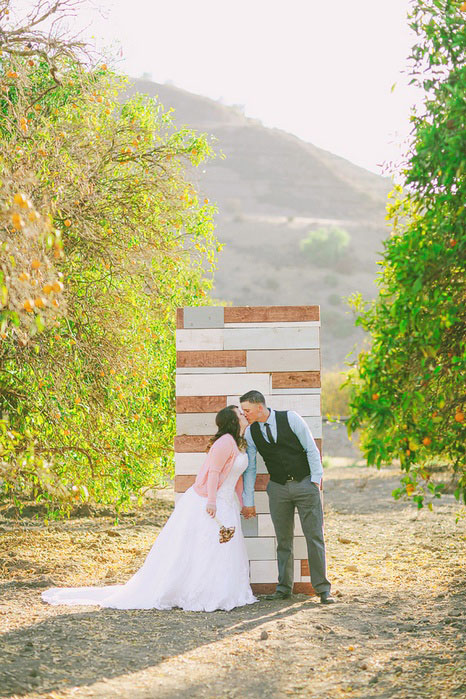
point(216, 467)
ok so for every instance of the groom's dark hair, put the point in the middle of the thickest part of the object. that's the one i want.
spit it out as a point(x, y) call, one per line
point(253, 397)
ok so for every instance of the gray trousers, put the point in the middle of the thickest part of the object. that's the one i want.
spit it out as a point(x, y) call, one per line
point(283, 499)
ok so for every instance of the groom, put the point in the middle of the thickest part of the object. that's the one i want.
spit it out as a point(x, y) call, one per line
point(292, 459)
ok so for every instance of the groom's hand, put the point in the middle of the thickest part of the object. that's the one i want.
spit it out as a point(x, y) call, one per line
point(248, 512)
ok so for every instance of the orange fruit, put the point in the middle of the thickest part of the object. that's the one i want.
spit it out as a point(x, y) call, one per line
point(55, 303)
point(27, 305)
point(375, 396)
point(67, 222)
point(40, 302)
point(459, 416)
point(47, 288)
point(410, 489)
point(57, 286)
point(104, 66)
point(408, 452)
point(18, 198)
point(17, 221)
point(427, 441)
point(24, 276)
point(35, 264)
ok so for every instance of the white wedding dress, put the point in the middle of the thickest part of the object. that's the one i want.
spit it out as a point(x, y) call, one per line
point(187, 566)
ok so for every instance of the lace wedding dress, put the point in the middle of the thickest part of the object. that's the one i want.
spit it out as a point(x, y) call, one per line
point(187, 566)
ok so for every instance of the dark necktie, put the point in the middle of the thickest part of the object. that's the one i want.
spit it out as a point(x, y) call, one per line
point(269, 433)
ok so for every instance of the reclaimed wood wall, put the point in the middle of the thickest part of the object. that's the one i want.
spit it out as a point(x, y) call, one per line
point(222, 352)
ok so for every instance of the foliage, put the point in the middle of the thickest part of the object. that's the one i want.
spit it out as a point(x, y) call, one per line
point(102, 237)
point(325, 246)
point(335, 396)
point(407, 390)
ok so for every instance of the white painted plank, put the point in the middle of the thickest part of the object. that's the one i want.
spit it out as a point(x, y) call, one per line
point(266, 528)
point(195, 423)
point(205, 339)
point(188, 463)
point(221, 384)
point(263, 571)
point(271, 338)
point(304, 405)
point(260, 464)
point(315, 426)
point(261, 548)
point(261, 500)
point(300, 547)
point(283, 360)
point(281, 324)
point(267, 571)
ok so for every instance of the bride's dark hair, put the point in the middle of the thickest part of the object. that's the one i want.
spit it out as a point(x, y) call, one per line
point(228, 423)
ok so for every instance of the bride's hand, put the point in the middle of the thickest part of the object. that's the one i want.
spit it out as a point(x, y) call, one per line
point(211, 510)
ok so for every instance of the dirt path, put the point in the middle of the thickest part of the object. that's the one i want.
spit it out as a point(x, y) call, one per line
point(398, 629)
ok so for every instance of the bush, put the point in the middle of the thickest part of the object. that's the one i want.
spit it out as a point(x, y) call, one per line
point(325, 246)
point(102, 236)
point(335, 396)
point(407, 390)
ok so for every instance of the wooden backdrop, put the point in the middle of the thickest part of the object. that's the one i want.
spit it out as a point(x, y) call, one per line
point(222, 352)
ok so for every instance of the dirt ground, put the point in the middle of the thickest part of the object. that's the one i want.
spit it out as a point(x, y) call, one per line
point(397, 629)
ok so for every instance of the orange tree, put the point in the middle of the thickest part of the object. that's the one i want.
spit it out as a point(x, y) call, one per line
point(407, 390)
point(102, 236)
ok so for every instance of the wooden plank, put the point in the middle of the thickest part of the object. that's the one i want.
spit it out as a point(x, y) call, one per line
point(203, 339)
point(180, 317)
point(299, 588)
point(203, 317)
point(200, 404)
point(278, 360)
point(270, 337)
point(214, 358)
point(191, 443)
point(270, 314)
point(304, 404)
point(265, 570)
point(221, 384)
point(182, 483)
point(295, 379)
point(197, 423)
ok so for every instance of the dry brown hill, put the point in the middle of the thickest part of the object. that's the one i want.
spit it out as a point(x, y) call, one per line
point(271, 189)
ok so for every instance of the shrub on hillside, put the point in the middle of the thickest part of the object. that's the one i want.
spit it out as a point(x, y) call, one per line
point(325, 246)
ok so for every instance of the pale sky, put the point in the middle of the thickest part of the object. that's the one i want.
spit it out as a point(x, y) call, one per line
point(320, 70)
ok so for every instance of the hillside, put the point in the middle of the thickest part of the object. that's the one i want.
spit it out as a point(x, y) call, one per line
point(271, 189)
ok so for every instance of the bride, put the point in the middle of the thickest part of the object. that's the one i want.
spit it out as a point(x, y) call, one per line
point(199, 560)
